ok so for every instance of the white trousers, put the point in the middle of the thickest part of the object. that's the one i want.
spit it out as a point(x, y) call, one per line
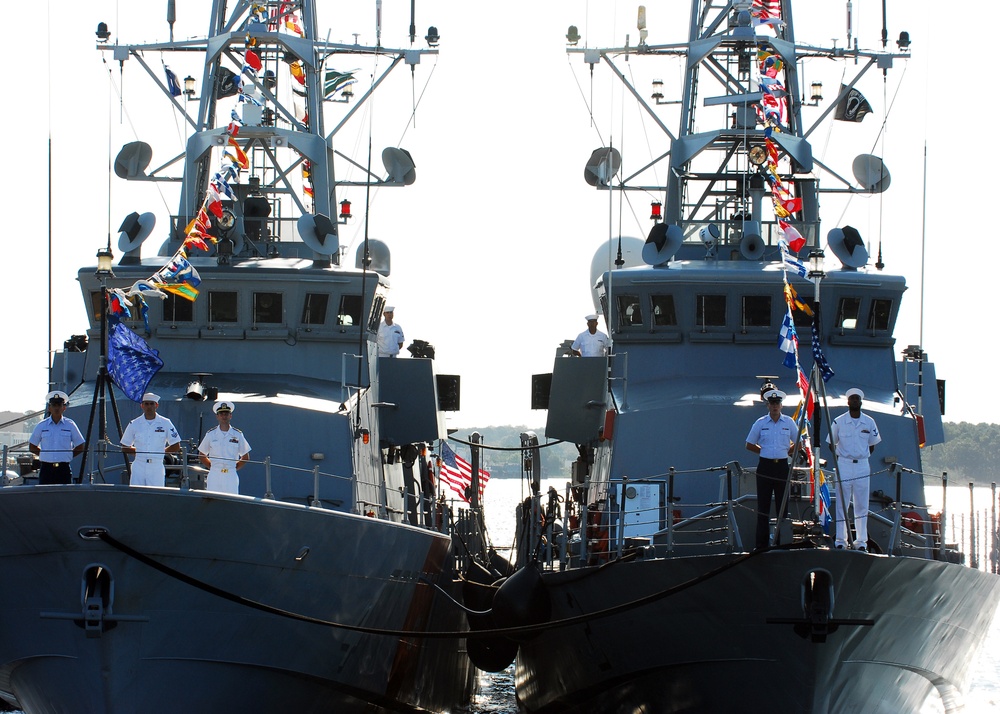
point(222, 479)
point(145, 473)
point(853, 489)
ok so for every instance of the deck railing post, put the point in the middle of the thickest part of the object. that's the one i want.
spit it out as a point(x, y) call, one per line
point(994, 535)
point(564, 543)
point(973, 553)
point(620, 527)
point(268, 493)
point(895, 535)
point(185, 480)
point(943, 526)
point(735, 541)
point(670, 511)
point(314, 501)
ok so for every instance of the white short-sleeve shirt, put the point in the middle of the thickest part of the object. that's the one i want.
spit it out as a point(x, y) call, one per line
point(56, 441)
point(150, 437)
point(592, 345)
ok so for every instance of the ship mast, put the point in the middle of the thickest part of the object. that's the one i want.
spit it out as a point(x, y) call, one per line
point(267, 81)
point(741, 77)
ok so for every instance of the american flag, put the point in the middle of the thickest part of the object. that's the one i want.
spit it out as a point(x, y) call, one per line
point(456, 474)
point(818, 356)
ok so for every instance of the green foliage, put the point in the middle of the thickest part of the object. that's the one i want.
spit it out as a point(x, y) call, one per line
point(507, 464)
point(971, 452)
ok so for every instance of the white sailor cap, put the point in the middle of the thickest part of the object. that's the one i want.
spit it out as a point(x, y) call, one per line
point(590, 317)
point(57, 396)
point(389, 308)
point(774, 394)
point(223, 406)
point(854, 390)
point(150, 397)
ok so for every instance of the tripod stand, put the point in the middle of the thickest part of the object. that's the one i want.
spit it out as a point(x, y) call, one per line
point(103, 388)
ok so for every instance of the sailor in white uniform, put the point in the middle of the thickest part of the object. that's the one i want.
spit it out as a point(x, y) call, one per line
point(854, 436)
point(224, 451)
point(591, 342)
point(390, 335)
point(148, 437)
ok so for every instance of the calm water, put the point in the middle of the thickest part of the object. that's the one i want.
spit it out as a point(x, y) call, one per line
point(497, 690)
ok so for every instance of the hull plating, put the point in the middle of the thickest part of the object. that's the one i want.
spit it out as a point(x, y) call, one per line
point(153, 642)
point(711, 647)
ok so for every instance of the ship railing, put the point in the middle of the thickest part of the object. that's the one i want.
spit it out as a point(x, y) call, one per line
point(185, 473)
point(731, 233)
point(618, 530)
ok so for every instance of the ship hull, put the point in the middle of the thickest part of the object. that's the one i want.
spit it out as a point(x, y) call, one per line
point(93, 626)
point(727, 643)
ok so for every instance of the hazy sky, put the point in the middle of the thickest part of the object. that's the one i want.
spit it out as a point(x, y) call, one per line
point(492, 246)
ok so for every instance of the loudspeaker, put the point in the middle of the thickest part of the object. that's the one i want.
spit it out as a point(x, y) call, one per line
point(449, 389)
point(541, 385)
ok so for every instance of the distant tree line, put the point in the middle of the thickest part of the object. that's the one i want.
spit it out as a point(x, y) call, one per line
point(971, 452)
point(555, 459)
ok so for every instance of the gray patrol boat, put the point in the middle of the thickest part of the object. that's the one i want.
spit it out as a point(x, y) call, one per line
point(639, 589)
point(310, 589)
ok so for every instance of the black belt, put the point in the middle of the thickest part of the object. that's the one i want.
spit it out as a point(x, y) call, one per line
point(854, 461)
point(151, 461)
point(55, 464)
point(774, 461)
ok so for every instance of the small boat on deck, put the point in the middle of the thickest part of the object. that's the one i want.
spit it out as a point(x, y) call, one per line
point(310, 589)
point(640, 590)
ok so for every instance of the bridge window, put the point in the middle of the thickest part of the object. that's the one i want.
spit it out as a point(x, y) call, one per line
point(847, 313)
point(802, 321)
point(629, 310)
point(756, 311)
point(376, 314)
point(664, 313)
point(222, 306)
point(267, 308)
point(880, 315)
point(314, 308)
point(349, 312)
point(711, 311)
point(177, 309)
point(136, 310)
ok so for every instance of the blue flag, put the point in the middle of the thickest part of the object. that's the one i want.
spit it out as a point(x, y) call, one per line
point(818, 356)
point(788, 341)
point(131, 362)
point(172, 84)
point(180, 270)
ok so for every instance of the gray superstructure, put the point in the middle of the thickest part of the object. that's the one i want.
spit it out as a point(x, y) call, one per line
point(298, 593)
point(641, 589)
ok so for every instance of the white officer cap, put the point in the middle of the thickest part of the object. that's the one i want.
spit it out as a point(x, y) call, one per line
point(854, 390)
point(774, 394)
point(223, 406)
point(389, 308)
point(150, 397)
point(57, 395)
point(590, 317)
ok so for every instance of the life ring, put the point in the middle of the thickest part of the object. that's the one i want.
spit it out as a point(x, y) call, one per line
point(913, 521)
point(598, 538)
